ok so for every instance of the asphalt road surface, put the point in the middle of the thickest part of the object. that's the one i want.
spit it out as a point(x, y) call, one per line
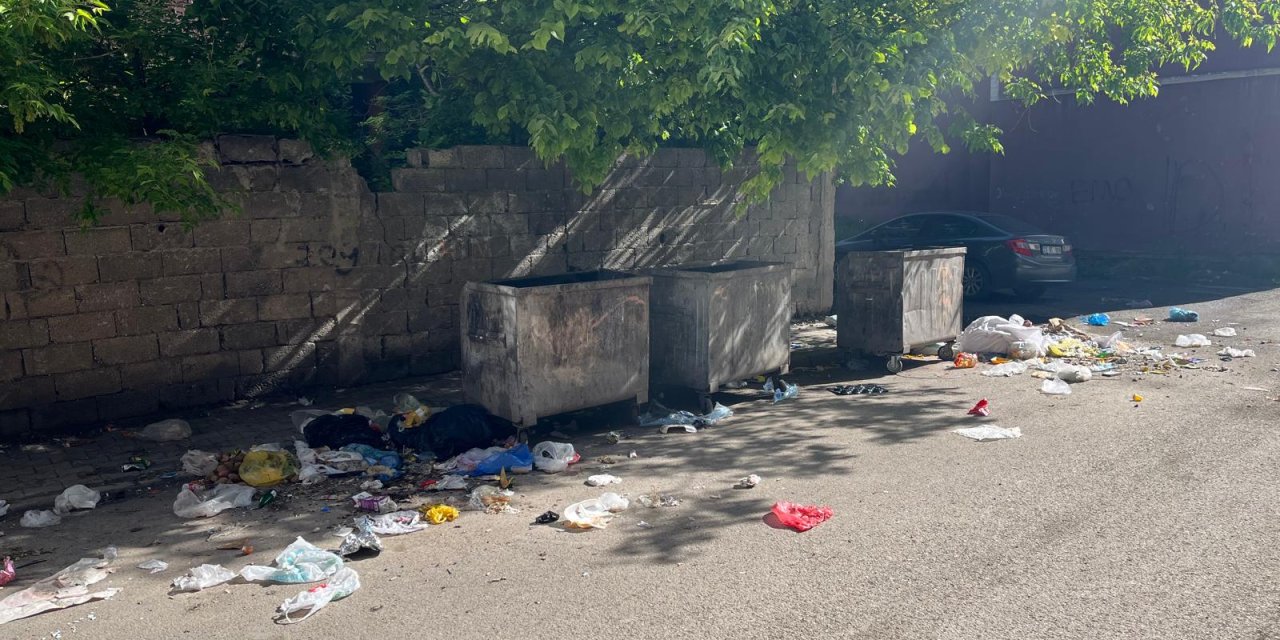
point(1107, 519)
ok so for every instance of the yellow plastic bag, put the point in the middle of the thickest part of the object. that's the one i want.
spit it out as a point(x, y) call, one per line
point(267, 468)
point(440, 514)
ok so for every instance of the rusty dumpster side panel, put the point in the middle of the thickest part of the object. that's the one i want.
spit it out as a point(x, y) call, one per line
point(718, 323)
point(888, 302)
point(568, 343)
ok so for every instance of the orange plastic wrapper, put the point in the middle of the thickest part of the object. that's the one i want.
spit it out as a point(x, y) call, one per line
point(965, 361)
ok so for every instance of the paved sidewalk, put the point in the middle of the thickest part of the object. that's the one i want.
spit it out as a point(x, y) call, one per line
point(31, 477)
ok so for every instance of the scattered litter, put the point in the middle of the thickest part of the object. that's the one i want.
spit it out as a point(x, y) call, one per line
point(371, 485)
point(190, 504)
point(76, 497)
point(4, 507)
point(748, 482)
point(982, 408)
point(395, 523)
point(262, 468)
point(1193, 340)
point(1232, 352)
point(602, 480)
point(781, 391)
point(686, 428)
point(300, 562)
point(1006, 370)
point(965, 360)
point(449, 432)
point(34, 519)
point(993, 334)
point(1225, 332)
point(607, 460)
point(594, 513)
point(491, 499)
point(440, 514)
point(858, 389)
point(1055, 387)
point(801, 517)
point(644, 525)
point(554, 457)
point(1255, 389)
point(989, 432)
point(361, 537)
point(203, 577)
point(136, 463)
point(166, 430)
point(547, 518)
point(449, 483)
point(1097, 320)
point(366, 501)
point(831, 321)
point(685, 419)
point(1177, 314)
point(653, 500)
point(518, 459)
point(633, 454)
point(1074, 373)
point(63, 589)
point(305, 401)
point(343, 583)
point(1136, 398)
point(7, 572)
point(154, 566)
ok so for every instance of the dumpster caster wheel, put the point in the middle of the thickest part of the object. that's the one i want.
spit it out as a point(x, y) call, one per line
point(706, 403)
point(893, 364)
point(947, 352)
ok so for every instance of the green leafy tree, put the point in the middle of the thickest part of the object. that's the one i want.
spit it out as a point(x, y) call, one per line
point(833, 85)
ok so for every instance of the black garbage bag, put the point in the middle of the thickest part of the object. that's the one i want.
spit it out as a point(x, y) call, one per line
point(338, 430)
point(452, 431)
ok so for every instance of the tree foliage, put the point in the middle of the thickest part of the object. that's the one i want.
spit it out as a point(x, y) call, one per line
point(835, 85)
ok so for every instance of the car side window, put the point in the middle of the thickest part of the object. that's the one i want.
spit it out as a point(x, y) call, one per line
point(901, 229)
point(944, 229)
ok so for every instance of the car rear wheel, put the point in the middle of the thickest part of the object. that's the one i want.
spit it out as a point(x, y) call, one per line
point(1029, 293)
point(976, 280)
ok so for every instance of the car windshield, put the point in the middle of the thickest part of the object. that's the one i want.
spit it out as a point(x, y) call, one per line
point(1012, 225)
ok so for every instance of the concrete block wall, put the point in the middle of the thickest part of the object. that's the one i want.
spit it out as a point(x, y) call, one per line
point(319, 281)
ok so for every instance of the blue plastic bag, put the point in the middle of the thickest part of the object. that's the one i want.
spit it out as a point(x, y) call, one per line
point(518, 459)
point(1178, 314)
point(1098, 319)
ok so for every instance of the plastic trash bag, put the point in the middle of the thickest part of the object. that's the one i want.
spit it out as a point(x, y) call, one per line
point(595, 513)
point(491, 499)
point(362, 537)
point(343, 583)
point(1177, 314)
point(801, 517)
point(781, 391)
point(450, 483)
point(1193, 340)
point(203, 577)
point(1225, 332)
point(267, 468)
point(1232, 352)
point(154, 566)
point(1055, 387)
point(993, 334)
point(300, 562)
point(1097, 319)
point(989, 432)
point(602, 480)
point(76, 497)
point(553, 457)
point(7, 571)
point(4, 507)
point(199, 463)
point(35, 519)
point(518, 459)
point(190, 504)
point(394, 523)
point(63, 589)
point(686, 418)
point(166, 430)
point(1074, 373)
point(1005, 370)
point(982, 408)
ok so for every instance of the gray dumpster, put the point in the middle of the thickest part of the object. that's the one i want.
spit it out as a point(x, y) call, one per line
point(535, 347)
point(719, 323)
point(890, 302)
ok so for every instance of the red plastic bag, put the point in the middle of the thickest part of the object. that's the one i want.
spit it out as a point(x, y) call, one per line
point(7, 572)
point(801, 517)
point(983, 408)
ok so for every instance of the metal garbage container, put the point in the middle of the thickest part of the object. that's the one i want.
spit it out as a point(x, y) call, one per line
point(891, 302)
point(540, 346)
point(719, 323)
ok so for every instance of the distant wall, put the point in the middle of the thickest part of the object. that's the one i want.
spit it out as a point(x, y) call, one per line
point(320, 281)
point(926, 181)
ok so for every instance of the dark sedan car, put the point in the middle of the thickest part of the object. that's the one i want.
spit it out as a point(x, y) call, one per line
point(1003, 252)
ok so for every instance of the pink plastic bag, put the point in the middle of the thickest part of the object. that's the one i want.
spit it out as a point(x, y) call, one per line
point(983, 408)
point(801, 517)
point(7, 572)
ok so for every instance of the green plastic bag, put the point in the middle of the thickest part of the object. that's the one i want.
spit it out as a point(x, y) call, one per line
point(267, 468)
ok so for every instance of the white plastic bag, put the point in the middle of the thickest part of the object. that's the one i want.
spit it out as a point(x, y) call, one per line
point(203, 577)
point(76, 497)
point(1055, 387)
point(452, 482)
point(199, 463)
point(342, 584)
point(588, 514)
point(35, 519)
point(552, 457)
point(1225, 332)
point(603, 479)
point(1074, 373)
point(989, 432)
point(395, 523)
point(1193, 340)
point(4, 507)
point(300, 562)
point(166, 430)
point(993, 334)
point(613, 502)
point(189, 504)
point(154, 566)
point(63, 589)
point(1233, 352)
point(1005, 370)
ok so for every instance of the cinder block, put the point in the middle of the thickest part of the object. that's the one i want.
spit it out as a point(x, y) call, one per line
point(422, 180)
point(128, 404)
point(82, 326)
point(268, 256)
point(305, 330)
point(150, 375)
point(480, 156)
point(189, 342)
point(250, 361)
point(86, 384)
point(27, 392)
point(40, 303)
point(264, 231)
point(294, 151)
point(149, 237)
point(440, 158)
point(14, 424)
point(205, 392)
point(254, 283)
point(222, 233)
point(169, 290)
point(235, 149)
point(101, 297)
point(125, 350)
point(249, 336)
point(271, 205)
point(23, 334)
point(52, 417)
point(52, 213)
point(209, 366)
point(401, 204)
point(58, 358)
point(444, 204)
point(98, 241)
point(294, 356)
point(29, 245)
point(284, 307)
point(129, 266)
point(145, 320)
point(191, 261)
point(13, 216)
